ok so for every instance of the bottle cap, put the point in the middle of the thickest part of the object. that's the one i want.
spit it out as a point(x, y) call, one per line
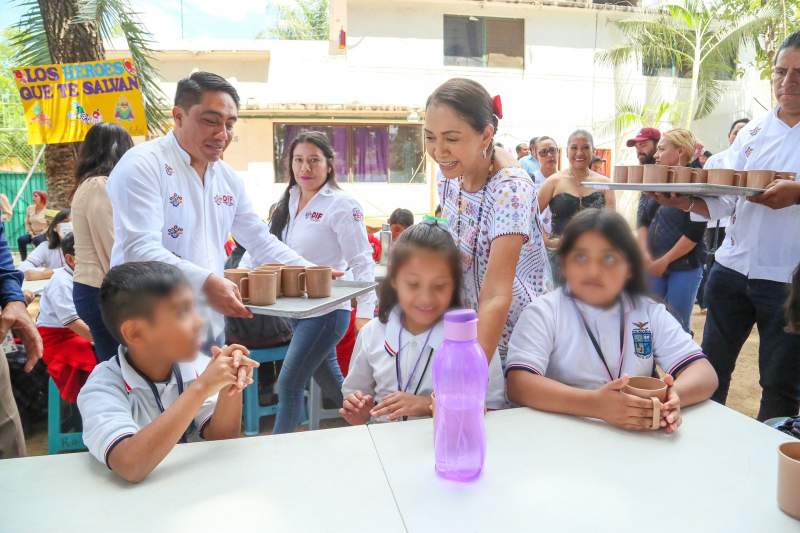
point(461, 325)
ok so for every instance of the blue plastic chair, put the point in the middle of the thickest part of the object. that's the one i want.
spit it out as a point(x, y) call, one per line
point(57, 441)
point(253, 410)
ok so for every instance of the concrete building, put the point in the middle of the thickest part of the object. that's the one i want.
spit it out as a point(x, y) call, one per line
point(368, 84)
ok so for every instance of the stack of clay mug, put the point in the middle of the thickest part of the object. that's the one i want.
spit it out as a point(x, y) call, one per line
point(263, 285)
point(660, 174)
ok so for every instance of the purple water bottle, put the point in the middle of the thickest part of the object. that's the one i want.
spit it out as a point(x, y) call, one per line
point(460, 378)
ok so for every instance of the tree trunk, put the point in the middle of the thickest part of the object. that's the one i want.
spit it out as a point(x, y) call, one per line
point(695, 81)
point(68, 43)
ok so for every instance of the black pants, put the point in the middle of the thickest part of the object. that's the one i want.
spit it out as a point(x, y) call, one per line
point(713, 239)
point(24, 240)
point(735, 304)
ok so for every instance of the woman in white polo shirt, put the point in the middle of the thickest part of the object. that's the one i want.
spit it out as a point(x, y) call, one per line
point(326, 226)
point(574, 348)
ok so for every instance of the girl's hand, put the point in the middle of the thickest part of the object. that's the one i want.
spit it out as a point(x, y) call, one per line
point(356, 408)
point(671, 410)
point(623, 410)
point(400, 404)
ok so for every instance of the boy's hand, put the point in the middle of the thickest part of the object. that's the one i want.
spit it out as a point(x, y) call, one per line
point(356, 408)
point(400, 404)
point(242, 365)
point(218, 374)
point(671, 410)
point(623, 410)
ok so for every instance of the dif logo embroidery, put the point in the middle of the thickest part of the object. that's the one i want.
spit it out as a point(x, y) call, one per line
point(642, 340)
point(176, 199)
point(169, 170)
point(224, 199)
point(175, 231)
point(314, 216)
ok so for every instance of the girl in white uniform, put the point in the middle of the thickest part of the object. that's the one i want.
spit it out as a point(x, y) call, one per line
point(574, 349)
point(47, 256)
point(326, 226)
point(390, 374)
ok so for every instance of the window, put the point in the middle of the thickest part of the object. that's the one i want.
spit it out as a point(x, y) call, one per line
point(364, 153)
point(484, 42)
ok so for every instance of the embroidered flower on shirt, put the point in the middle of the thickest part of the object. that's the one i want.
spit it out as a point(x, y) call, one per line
point(755, 131)
point(749, 151)
point(358, 216)
point(168, 169)
point(175, 231)
point(176, 199)
point(224, 199)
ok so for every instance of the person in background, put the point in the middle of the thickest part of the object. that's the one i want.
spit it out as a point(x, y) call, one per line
point(645, 142)
point(491, 208)
point(399, 221)
point(48, 255)
point(317, 219)
point(597, 164)
point(523, 150)
point(15, 317)
point(159, 389)
point(564, 194)
point(66, 339)
point(671, 243)
point(749, 282)
point(93, 226)
point(529, 162)
point(574, 349)
point(35, 224)
point(5, 209)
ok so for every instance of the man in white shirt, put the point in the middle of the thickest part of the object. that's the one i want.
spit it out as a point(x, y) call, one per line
point(749, 283)
point(176, 201)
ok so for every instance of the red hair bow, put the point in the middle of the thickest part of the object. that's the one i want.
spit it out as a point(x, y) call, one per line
point(497, 106)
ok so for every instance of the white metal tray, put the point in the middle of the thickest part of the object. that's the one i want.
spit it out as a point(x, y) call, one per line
point(341, 291)
point(698, 189)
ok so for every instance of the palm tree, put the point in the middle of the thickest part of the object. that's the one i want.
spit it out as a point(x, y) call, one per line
point(695, 40)
point(69, 31)
point(305, 20)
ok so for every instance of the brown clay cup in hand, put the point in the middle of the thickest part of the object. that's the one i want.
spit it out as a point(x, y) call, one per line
point(789, 478)
point(621, 174)
point(681, 174)
point(656, 174)
point(293, 280)
point(318, 282)
point(261, 287)
point(649, 388)
point(635, 174)
point(236, 274)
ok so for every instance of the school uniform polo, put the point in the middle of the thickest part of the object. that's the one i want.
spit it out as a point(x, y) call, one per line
point(163, 211)
point(118, 400)
point(330, 231)
point(760, 243)
point(43, 257)
point(383, 349)
point(56, 308)
point(550, 340)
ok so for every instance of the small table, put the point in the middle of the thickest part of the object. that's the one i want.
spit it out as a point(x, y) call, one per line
point(547, 472)
point(328, 480)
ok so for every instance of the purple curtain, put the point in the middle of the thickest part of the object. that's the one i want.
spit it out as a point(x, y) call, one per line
point(371, 147)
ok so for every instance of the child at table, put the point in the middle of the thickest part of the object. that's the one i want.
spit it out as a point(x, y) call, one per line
point(66, 339)
point(574, 349)
point(390, 373)
point(158, 390)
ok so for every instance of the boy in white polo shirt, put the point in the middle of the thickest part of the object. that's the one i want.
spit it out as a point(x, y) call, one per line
point(158, 390)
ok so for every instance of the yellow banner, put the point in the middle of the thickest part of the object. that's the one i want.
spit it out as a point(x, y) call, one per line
point(62, 102)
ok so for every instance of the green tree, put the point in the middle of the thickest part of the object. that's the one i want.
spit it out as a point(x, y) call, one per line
point(69, 31)
point(306, 20)
point(696, 40)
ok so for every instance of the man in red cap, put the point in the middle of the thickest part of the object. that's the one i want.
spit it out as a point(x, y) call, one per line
point(645, 144)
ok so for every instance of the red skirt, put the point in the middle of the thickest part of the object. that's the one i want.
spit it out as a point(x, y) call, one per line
point(69, 358)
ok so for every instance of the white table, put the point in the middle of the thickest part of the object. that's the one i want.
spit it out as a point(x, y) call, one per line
point(36, 287)
point(552, 473)
point(329, 480)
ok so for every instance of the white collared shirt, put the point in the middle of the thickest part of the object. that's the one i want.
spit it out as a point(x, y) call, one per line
point(373, 368)
point(550, 340)
point(57, 309)
point(164, 212)
point(42, 258)
point(330, 231)
point(117, 401)
point(761, 243)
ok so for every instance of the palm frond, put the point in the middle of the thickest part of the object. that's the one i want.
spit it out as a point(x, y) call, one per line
point(30, 39)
